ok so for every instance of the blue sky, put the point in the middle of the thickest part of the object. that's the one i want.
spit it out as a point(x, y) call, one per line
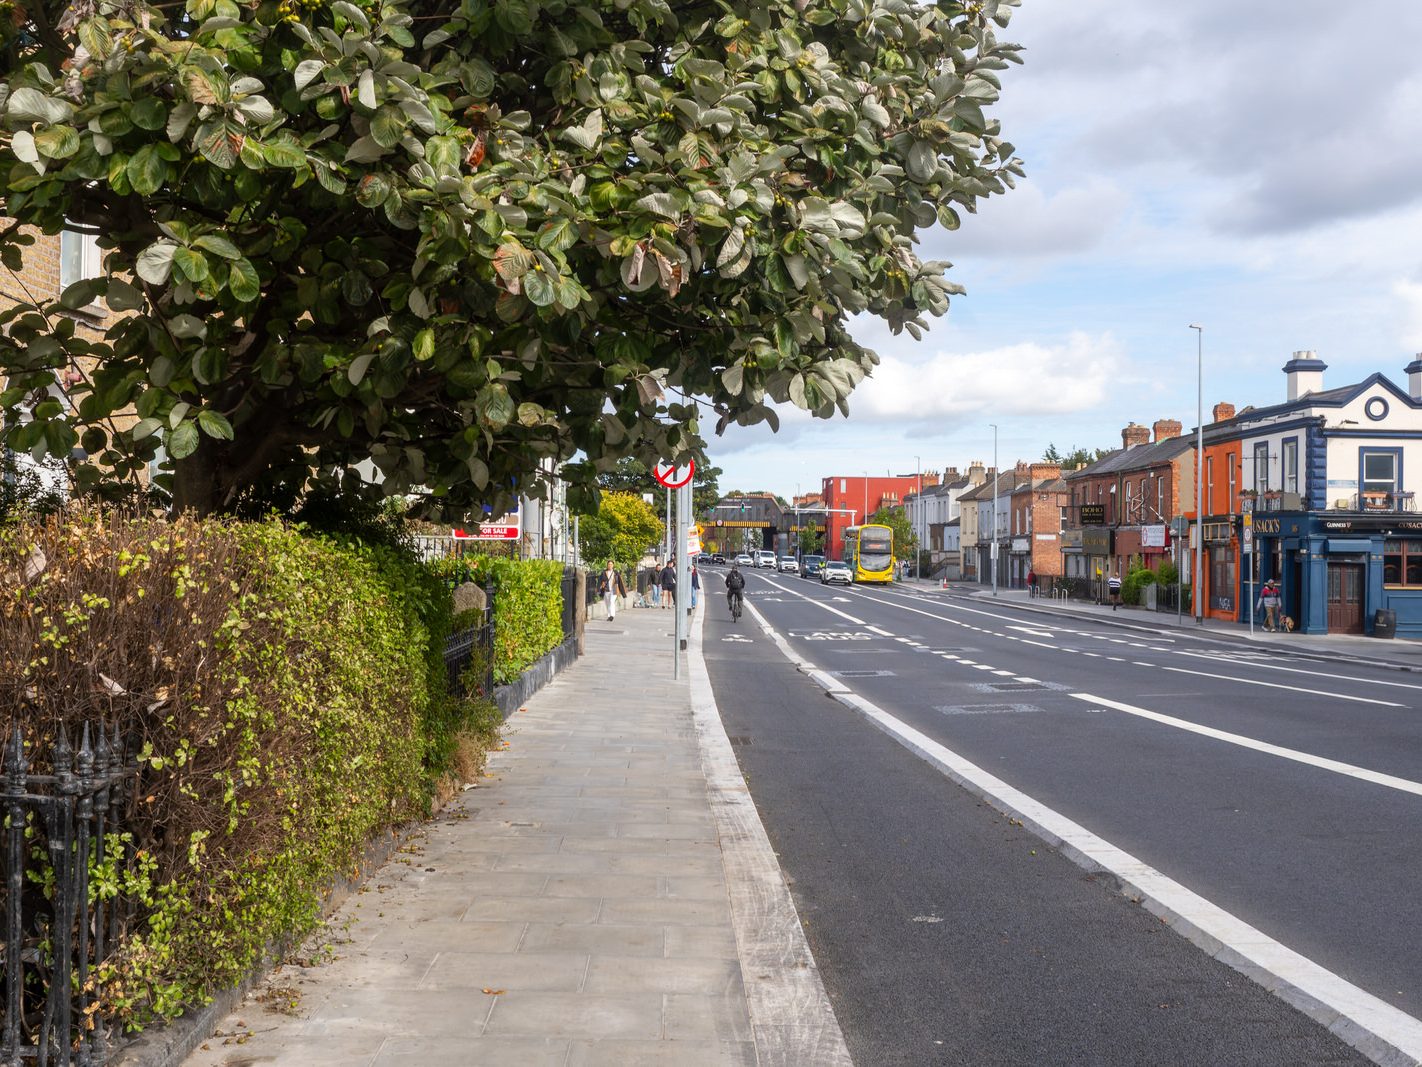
point(1253, 167)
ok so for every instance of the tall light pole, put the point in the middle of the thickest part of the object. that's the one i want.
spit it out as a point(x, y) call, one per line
point(866, 496)
point(992, 545)
point(918, 519)
point(1197, 588)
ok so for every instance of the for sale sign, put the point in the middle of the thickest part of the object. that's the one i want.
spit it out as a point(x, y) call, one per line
point(506, 529)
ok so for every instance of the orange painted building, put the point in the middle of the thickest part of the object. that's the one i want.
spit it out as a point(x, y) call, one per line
point(1222, 477)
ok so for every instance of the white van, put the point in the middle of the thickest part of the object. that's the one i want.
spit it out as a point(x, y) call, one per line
point(765, 558)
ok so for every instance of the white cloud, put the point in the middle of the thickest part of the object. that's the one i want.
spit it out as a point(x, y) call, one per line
point(1019, 379)
point(1029, 221)
point(1409, 295)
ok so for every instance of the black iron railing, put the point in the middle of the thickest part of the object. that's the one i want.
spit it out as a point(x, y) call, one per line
point(572, 599)
point(56, 826)
point(462, 649)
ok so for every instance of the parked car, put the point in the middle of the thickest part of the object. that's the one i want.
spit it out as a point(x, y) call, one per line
point(765, 558)
point(836, 571)
point(790, 564)
point(810, 566)
point(744, 560)
point(716, 557)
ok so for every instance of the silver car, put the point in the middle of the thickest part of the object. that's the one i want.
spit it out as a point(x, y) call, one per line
point(836, 571)
point(789, 564)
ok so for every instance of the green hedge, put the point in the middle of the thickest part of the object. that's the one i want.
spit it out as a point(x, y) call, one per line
point(288, 694)
point(528, 606)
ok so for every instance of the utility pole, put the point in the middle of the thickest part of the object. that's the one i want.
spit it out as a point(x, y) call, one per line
point(992, 549)
point(1197, 587)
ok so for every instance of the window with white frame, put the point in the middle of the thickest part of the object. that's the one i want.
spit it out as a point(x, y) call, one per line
point(1233, 482)
point(1380, 473)
point(79, 258)
point(1261, 467)
point(1290, 453)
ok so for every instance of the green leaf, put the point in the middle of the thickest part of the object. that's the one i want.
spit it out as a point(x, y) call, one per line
point(388, 125)
point(146, 428)
point(94, 35)
point(538, 287)
point(365, 150)
point(242, 280)
point(306, 72)
point(191, 265)
point(81, 294)
point(57, 142)
point(219, 144)
point(148, 113)
point(183, 441)
point(179, 119)
point(155, 262)
point(215, 424)
point(356, 371)
point(733, 378)
point(186, 326)
point(218, 246)
point(494, 406)
point(424, 346)
point(373, 190)
point(285, 152)
point(31, 105)
point(123, 297)
point(557, 235)
point(22, 143)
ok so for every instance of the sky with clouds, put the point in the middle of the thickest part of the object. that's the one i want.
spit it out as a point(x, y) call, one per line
point(1253, 167)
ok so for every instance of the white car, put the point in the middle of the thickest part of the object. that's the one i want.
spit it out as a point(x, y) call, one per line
point(765, 558)
point(836, 571)
point(789, 564)
point(744, 560)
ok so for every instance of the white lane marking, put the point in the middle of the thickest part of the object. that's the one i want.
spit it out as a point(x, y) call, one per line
point(1156, 635)
point(1034, 632)
point(791, 1000)
point(1221, 658)
point(1351, 770)
point(982, 666)
point(1039, 644)
point(1002, 672)
point(1024, 678)
point(876, 630)
point(1277, 685)
point(818, 603)
point(1359, 1018)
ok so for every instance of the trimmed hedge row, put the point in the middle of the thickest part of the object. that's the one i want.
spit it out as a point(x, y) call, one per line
point(288, 695)
point(528, 606)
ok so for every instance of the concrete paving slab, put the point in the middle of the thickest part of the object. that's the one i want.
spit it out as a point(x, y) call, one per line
point(584, 1015)
point(485, 1052)
point(637, 974)
point(599, 938)
point(514, 972)
point(661, 1054)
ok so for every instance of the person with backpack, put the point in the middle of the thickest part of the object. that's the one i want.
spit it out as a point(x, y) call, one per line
point(735, 585)
point(610, 586)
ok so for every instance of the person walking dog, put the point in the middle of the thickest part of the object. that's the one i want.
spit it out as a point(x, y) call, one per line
point(611, 586)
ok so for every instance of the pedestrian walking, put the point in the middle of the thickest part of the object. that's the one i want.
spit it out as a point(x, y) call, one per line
point(654, 586)
point(1031, 582)
point(611, 586)
point(1270, 600)
point(1114, 585)
point(669, 584)
point(695, 587)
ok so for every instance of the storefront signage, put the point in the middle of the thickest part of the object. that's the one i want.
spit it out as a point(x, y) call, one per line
point(1152, 536)
point(1096, 541)
point(1093, 514)
point(1020, 544)
point(1266, 526)
point(1071, 540)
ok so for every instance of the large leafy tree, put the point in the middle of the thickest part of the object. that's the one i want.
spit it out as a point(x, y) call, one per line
point(631, 475)
point(461, 237)
point(624, 527)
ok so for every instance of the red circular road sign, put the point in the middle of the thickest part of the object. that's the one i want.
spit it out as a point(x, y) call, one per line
point(674, 477)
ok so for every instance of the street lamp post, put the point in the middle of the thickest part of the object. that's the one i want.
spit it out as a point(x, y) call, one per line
point(918, 519)
point(1197, 589)
point(992, 545)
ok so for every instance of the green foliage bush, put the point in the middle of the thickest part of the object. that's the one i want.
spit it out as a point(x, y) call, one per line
point(528, 606)
point(1138, 575)
point(287, 693)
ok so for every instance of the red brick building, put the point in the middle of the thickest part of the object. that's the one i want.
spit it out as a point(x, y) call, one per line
point(1036, 510)
point(850, 499)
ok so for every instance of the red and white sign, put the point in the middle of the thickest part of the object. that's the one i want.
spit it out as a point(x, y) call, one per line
point(507, 529)
point(674, 477)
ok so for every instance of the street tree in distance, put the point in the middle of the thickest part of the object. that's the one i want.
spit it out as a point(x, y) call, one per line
point(459, 240)
point(622, 530)
point(905, 540)
point(1070, 460)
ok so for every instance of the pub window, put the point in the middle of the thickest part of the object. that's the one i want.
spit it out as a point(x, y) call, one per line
point(1402, 562)
point(1379, 472)
point(1261, 467)
point(1291, 465)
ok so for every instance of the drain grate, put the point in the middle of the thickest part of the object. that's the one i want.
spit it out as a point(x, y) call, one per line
point(1015, 687)
point(862, 674)
point(740, 739)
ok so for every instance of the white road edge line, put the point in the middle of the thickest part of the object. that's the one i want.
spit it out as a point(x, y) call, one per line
point(791, 1017)
point(1374, 1027)
point(1404, 785)
point(812, 600)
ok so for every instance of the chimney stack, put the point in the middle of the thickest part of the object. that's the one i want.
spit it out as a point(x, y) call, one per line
point(1414, 378)
point(977, 473)
point(1222, 411)
point(1304, 374)
point(1023, 468)
point(1134, 435)
point(1165, 429)
point(1045, 472)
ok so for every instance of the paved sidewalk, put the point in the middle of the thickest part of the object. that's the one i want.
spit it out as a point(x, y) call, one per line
point(1399, 653)
point(571, 909)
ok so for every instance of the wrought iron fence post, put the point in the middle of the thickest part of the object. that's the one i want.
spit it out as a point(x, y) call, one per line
point(15, 773)
point(490, 648)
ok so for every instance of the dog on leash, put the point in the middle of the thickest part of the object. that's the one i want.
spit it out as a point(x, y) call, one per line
point(1286, 624)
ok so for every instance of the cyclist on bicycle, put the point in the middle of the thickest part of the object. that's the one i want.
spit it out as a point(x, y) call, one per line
point(735, 583)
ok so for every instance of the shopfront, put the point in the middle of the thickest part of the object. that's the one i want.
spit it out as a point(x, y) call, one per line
point(1336, 573)
point(1097, 543)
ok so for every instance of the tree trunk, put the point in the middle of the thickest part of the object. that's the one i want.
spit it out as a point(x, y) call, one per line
point(195, 481)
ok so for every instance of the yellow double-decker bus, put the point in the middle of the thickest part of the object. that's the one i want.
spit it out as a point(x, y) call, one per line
point(869, 551)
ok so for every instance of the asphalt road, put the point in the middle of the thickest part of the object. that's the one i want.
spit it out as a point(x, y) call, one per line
point(1278, 789)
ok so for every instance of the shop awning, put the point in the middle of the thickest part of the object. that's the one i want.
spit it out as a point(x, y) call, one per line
point(1349, 544)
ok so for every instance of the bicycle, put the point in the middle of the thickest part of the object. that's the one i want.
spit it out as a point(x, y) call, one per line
point(735, 598)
